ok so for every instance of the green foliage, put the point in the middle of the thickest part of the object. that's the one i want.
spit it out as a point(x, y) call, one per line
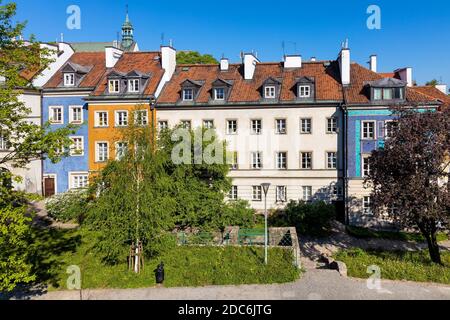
point(194, 57)
point(69, 206)
point(433, 83)
point(364, 233)
point(309, 218)
point(396, 265)
point(236, 213)
point(14, 267)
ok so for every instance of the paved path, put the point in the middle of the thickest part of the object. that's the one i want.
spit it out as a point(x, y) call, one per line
point(315, 285)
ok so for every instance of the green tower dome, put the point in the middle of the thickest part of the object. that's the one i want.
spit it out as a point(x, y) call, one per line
point(127, 33)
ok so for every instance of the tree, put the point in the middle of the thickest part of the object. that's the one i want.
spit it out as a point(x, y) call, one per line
point(410, 174)
point(194, 57)
point(26, 142)
point(433, 83)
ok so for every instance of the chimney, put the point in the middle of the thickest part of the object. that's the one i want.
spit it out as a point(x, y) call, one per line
point(373, 63)
point(224, 64)
point(250, 61)
point(313, 59)
point(112, 55)
point(344, 65)
point(405, 74)
point(442, 88)
point(293, 61)
point(169, 64)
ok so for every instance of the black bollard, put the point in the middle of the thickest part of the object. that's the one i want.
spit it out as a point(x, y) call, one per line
point(159, 274)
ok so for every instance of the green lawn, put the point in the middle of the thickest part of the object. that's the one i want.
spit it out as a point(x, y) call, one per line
point(364, 233)
point(185, 266)
point(413, 266)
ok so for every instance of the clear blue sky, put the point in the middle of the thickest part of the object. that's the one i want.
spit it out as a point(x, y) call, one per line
point(413, 33)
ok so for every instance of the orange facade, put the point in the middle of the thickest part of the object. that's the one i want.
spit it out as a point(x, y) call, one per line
point(107, 127)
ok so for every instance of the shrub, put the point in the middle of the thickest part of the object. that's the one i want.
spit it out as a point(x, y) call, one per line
point(235, 213)
point(69, 206)
point(309, 218)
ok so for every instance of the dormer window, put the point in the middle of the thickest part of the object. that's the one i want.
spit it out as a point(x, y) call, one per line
point(304, 91)
point(269, 92)
point(69, 79)
point(188, 94)
point(219, 94)
point(387, 89)
point(133, 85)
point(305, 88)
point(114, 86)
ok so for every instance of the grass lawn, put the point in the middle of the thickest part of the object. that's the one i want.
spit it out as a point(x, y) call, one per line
point(413, 266)
point(184, 266)
point(364, 233)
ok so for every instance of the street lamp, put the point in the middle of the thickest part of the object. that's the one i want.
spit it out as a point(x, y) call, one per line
point(265, 187)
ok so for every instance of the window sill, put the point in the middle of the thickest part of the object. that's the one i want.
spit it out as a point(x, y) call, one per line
point(101, 127)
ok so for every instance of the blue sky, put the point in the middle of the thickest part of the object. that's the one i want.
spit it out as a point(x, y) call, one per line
point(413, 33)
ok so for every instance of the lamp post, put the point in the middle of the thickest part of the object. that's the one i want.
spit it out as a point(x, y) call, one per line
point(265, 187)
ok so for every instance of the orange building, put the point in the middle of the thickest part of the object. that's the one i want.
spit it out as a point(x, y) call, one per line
point(126, 93)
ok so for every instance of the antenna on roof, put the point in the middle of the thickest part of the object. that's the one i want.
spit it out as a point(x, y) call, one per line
point(171, 43)
point(62, 37)
point(162, 38)
point(344, 44)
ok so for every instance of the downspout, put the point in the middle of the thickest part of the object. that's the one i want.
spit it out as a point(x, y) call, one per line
point(345, 148)
point(41, 111)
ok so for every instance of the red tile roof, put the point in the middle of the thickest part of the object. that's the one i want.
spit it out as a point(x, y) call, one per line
point(434, 93)
point(326, 78)
point(357, 93)
point(143, 62)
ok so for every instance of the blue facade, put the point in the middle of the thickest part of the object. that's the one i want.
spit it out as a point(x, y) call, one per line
point(78, 163)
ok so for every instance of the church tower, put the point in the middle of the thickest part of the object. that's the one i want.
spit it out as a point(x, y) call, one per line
point(127, 34)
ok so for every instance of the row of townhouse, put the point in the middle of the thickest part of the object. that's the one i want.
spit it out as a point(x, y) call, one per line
point(306, 127)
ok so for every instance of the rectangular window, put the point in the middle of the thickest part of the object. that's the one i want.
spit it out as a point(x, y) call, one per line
point(366, 165)
point(257, 193)
point(133, 85)
point(256, 126)
point(256, 158)
point(121, 118)
point(377, 94)
point(368, 130)
point(77, 147)
point(56, 115)
point(281, 194)
point(219, 94)
point(79, 180)
point(101, 119)
point(234, 165)
point(306, 125)
point(76, 114)
point(186, 124)
point(304, 91)
point(307, 193)
point(188, 94)
point(114, 86)
point(141, 117)
point(332, 125)
point(399, 93)
point(280, 126)
point(69, 79)
point(121, 150)
point(269, 92)
point(281, 160)
point(232, 126)
point(208, 124)
point(389, 128)
point(4, 145)
point(306, 160)
point(102, 152)
point(367, 206)
point(163, 125)
point(387, 94)
point(331, 160)
point(233, 193)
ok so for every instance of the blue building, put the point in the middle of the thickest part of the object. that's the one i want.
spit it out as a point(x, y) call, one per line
point(63, 104)
point(369, 98)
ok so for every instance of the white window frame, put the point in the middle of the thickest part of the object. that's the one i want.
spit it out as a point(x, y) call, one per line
point(51, 109)
point(97, 151)
point(186, 124)
point(4, 143)
point(132, 85)
point(115, 85)
point(256, 130)
point(306, 91)
point(73, 151)
point(69, 79)
point(161, 127)
point(281, 160)
point(363, 132)
point(184, 93)
point(257, 193)
point(380, 97)
point(71, 114)
point(97, 119)
point(302, 127)
point(332, 123)
point(234, 130)
point(270, 92)
point(279, 128)
point(117, 118)
point(234, 193)
point(281, 194)
point(136, 118)
point(386, 131)
point(73, 175)
point(256, 159)
point(118, 158)
point(307, 193)
point(364, 158)
point(366, 206)
point(310, 160)
point(234, 165)
point(208, 124)
point(216, 96)
point(334, 164)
